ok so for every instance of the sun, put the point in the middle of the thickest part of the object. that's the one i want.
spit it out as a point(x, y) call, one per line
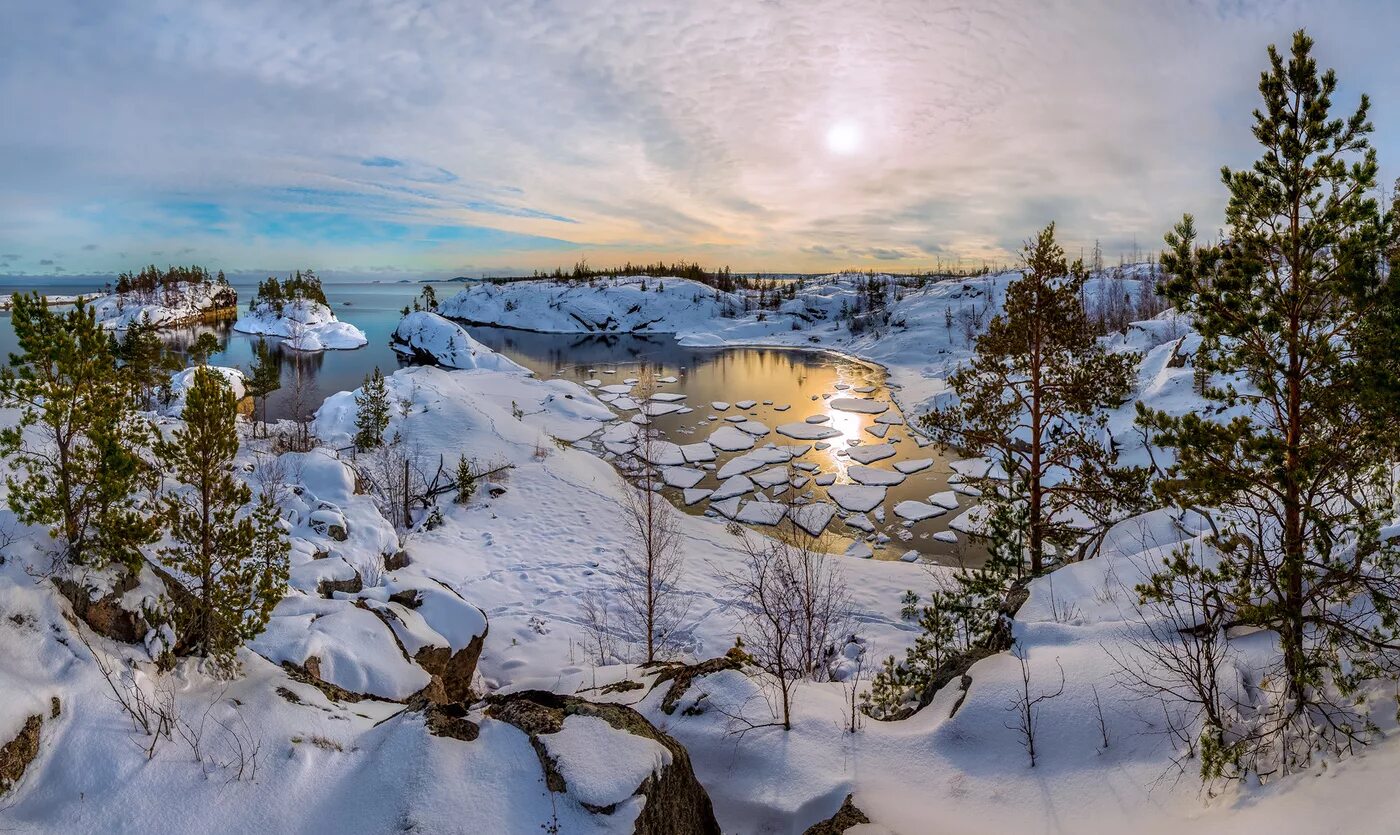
point(843, 138)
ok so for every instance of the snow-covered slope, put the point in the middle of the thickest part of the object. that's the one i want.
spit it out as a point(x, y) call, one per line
point(632, 304)
point(429, 336)
point(306, 325)
point(181, 305)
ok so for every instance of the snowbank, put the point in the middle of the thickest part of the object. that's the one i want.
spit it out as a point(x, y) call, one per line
point(307, 325)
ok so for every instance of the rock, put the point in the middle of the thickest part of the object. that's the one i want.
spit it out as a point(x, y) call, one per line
point(353, 585)
point(105, 615)
point(453, 669)
point(681, 675)
point(449, 720)
point(18, 753)
point(675, 802)
point(309, 672)
point(847, 816)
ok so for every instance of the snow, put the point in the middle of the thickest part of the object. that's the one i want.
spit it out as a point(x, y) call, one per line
point(858, 405)
point(813, 518)
point(761, 513)
point(946, 499)
point(305, 324)
point(426, 334)
point(862, 474)
point(729, 439)
point(913, 465)
point(733, 486)
point(745, 404)
point(719, 405)
point(695, 453)
point(527, 556)
point(694, 496)
point(682, 477)
point(856, 497)
point(867, 454)
point(752, 427)
point(600, 765)
point(807, 431)
point(917, 511)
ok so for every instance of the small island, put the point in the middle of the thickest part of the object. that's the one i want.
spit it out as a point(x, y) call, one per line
point(296, 310)
point(166, 298)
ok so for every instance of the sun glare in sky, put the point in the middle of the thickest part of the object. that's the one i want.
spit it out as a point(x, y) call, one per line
point(843, 138)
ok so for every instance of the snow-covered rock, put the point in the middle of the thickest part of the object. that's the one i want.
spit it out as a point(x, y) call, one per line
point(427, 335)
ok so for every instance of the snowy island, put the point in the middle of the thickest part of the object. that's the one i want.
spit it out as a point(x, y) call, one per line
point(166, 298)
point(296, 310)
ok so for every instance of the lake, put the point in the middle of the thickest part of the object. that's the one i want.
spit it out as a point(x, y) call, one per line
point(788, 386)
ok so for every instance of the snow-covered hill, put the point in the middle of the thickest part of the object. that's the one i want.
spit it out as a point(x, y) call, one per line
point(430, 337)
point(306, 325)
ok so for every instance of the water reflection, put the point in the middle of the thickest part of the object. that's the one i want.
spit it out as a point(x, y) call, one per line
point(786, 387)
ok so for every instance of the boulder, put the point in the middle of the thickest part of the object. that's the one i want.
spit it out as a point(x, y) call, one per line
point(675, 802)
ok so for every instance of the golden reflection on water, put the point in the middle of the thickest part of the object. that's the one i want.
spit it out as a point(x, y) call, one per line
point(804, 382)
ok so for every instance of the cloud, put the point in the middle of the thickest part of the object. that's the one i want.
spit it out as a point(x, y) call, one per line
point(647, 127)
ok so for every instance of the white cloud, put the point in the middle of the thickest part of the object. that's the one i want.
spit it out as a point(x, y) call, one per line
point(666, 127)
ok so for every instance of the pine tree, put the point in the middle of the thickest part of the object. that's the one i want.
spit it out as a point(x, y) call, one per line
point(372, 411)
point(78, 445)
point(205, 346)
point(264, 377)
point(1033, 399)
point(466, 480)
point(225, 556)
point(144, 359)
point(1300, 320)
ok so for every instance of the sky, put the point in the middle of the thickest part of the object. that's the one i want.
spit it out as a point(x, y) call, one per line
point(436, 139)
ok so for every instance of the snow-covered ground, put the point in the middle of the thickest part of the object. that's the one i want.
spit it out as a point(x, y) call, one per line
point(183, 304)
point(306, 325)
point(517, 563)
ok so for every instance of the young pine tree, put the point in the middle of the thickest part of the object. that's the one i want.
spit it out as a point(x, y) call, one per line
point(372, 411)
point(466, 480)
point(1033, 399)
point(264, 377)
point(77, 449)
point(226, 557)
point(1301, 320)
point(144, 359)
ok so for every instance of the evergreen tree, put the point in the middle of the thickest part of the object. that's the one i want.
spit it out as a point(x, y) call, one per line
point(205, 346)
point(144, 359)
point(225, 556)
point(264, 377)
point(1301, 321)
point(372, 412)
point(1033, 399)
point(466, 480)
point(79, 442)
point(430, 301)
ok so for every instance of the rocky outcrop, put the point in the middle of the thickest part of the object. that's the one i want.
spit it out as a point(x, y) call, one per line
point(18, 753)
point(681, 675)
point(676, 803)
point(309, 672)
point(454, 670)
point(104, 614)
point(847, 816)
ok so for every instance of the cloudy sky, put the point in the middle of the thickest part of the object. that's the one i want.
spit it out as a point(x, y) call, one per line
point(442, 138)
